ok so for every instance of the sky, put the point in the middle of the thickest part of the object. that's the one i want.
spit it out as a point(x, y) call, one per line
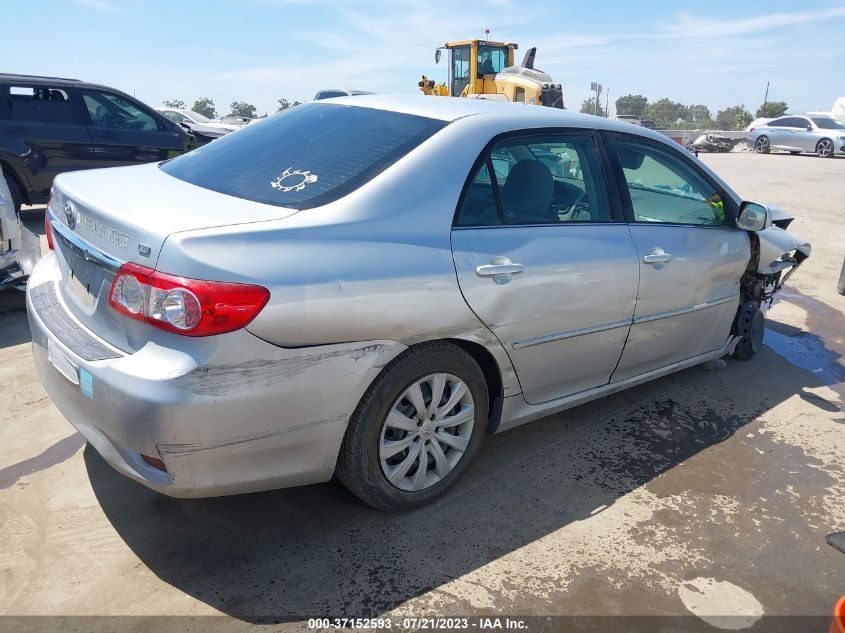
point(717, 53)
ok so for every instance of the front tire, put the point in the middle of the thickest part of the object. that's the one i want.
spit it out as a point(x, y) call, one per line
point(416, 428)
point(762, 145)
point(824, 148)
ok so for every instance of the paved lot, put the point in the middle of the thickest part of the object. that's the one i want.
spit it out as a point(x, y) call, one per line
point(701, 492)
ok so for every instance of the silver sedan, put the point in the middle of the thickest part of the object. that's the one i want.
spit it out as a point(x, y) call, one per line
point(822, 135)
point(369, 286)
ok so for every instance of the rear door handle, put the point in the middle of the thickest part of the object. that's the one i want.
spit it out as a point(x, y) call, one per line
point(500, 269)
point(657, 256)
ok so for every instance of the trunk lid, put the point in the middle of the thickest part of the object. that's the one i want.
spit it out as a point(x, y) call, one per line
point(106, 217)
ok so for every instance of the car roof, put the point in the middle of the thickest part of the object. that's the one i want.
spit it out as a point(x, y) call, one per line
point(515, 114)
point(55, 81)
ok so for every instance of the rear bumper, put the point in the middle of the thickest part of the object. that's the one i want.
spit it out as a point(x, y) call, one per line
point(250, 416)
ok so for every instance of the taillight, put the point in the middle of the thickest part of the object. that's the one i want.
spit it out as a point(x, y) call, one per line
point(751, 130)
point(193, 307)
point(47, 230)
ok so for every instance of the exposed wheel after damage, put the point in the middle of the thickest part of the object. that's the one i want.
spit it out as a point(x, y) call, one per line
point(416, 428)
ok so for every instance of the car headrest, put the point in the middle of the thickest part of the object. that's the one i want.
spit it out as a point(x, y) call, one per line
point(630, 158)
point(528, 191)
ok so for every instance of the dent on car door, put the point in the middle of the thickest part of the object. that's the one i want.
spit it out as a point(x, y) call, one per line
point(126, 133)
point(691, 260)
point(542, 263)
point(43, 134)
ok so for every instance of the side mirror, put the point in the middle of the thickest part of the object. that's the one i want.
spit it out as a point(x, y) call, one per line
point(752, 216)
point(437, 56)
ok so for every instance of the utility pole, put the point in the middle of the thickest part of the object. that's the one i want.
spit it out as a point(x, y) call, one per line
point(607, 105)
point(596, 87)
point(766, 98)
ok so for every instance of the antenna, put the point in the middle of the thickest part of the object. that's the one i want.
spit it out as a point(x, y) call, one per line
point(487, 34)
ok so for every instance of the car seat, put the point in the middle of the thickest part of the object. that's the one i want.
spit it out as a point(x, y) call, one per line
point(528, 192)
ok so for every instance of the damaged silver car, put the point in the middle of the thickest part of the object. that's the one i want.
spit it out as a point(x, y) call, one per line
point(368, 286)
point(20, 248)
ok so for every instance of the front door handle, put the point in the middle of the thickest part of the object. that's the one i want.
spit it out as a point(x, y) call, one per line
point(501, 269)
point(657, 256)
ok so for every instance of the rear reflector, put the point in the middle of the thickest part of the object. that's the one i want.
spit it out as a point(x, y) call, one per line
point(192, 307)
point(155, 462)
point(47, 230)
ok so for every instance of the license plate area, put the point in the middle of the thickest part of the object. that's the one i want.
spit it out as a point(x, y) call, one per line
point(62, 363)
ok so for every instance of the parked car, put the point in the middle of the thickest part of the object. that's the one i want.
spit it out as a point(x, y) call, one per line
point(201, 126)
point(823, 135)
point(351, 287)
point(235, 121)
point(50, 125)
point(19, 247)
point(339, 92)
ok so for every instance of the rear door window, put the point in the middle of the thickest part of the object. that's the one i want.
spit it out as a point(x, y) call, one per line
point(306, 156)
point(538, 180)
point(40, 104)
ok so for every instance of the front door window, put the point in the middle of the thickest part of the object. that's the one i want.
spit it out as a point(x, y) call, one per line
point(664, 189)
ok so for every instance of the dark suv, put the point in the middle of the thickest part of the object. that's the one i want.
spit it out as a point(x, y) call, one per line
point(49, 125)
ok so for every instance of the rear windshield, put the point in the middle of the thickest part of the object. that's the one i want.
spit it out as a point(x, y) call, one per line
point(304, 157)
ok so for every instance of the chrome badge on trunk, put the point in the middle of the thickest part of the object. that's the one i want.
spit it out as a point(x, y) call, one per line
point(74, 218)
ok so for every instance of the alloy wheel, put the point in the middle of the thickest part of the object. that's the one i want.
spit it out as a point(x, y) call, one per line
point(762, 145)
point(426, 432)
point(824, 148)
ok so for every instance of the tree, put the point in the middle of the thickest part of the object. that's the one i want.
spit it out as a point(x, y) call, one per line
point(698, 116)
point(284, 104)
point(589, 107)
point(242, 109)
point(733, 118)
point(205, 107)
point(631, 104)
point(174, 103)
point(666, 114)
point(772, 109)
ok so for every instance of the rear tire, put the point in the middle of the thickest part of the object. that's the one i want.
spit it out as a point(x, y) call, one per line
point(824, 148)
point(388, 478)
point(762, 145)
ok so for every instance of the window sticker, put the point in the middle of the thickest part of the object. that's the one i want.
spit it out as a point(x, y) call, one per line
point(293, 180)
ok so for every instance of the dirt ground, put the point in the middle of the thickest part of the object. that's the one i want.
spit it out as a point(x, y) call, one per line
point(703, 494)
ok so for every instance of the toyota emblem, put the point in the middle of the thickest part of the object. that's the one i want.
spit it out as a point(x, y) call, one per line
point(70, 216)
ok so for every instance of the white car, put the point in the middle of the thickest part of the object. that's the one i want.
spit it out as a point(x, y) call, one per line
point(197, 121)
point(19, 247)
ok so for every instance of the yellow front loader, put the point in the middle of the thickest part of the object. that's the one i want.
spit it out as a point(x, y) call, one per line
point(485, 70)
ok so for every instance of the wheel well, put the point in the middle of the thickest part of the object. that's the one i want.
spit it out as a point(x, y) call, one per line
point(492, 376)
